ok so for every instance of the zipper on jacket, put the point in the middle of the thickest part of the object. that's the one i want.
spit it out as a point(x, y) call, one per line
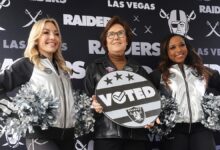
point(64, 101)
point(64, 96)
point(188, 98)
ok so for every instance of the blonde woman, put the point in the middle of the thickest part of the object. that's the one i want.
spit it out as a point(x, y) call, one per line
point(44, 66)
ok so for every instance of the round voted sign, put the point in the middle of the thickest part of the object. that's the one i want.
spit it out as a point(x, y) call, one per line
point(128, 99)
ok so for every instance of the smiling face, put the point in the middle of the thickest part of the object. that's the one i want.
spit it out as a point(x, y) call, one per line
point(177, 50)
point(49, 40)
point(116, 40)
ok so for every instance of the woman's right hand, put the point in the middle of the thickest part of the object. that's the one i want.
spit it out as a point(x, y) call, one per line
point(98, 108)
point(148, 126)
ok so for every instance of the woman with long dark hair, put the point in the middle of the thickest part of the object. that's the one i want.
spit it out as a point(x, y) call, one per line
point(182, 76)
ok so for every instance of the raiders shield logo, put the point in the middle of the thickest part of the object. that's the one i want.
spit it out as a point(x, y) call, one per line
point(136, 114)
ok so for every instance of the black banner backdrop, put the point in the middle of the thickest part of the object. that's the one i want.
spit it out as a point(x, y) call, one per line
point(82, 21)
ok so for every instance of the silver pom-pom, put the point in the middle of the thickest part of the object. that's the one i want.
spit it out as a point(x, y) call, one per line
point(211, 108)
point(167, 117)
point(33, 107)
point(84, 116)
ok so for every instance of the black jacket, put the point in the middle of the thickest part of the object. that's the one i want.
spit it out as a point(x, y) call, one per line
point(104, 127)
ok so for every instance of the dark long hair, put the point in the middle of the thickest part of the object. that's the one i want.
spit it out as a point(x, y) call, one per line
point(192, 59)
point(116, 20)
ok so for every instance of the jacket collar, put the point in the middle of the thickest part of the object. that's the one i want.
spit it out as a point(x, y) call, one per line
point(109, 66)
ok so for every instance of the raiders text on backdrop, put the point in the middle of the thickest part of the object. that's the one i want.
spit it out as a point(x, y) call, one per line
point(209, 9)
point(136, 49)
point(89, 21)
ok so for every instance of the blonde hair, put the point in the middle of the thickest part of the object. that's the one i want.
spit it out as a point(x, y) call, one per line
point(32, 51)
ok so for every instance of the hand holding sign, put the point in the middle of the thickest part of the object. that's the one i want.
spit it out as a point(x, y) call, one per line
point(98, 108)
point(128, 99)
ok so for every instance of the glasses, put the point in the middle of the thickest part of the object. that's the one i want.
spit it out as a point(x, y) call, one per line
point(120, 34)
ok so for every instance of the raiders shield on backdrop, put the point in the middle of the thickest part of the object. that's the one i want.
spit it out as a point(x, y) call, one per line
point(128, 99)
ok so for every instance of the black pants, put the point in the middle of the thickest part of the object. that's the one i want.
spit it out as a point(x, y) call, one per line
point(182, 138)
point(40, 144)
point(50, 139)
point(120, 144)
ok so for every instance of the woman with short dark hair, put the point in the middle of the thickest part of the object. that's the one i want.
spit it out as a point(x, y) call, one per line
point(116, 39)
